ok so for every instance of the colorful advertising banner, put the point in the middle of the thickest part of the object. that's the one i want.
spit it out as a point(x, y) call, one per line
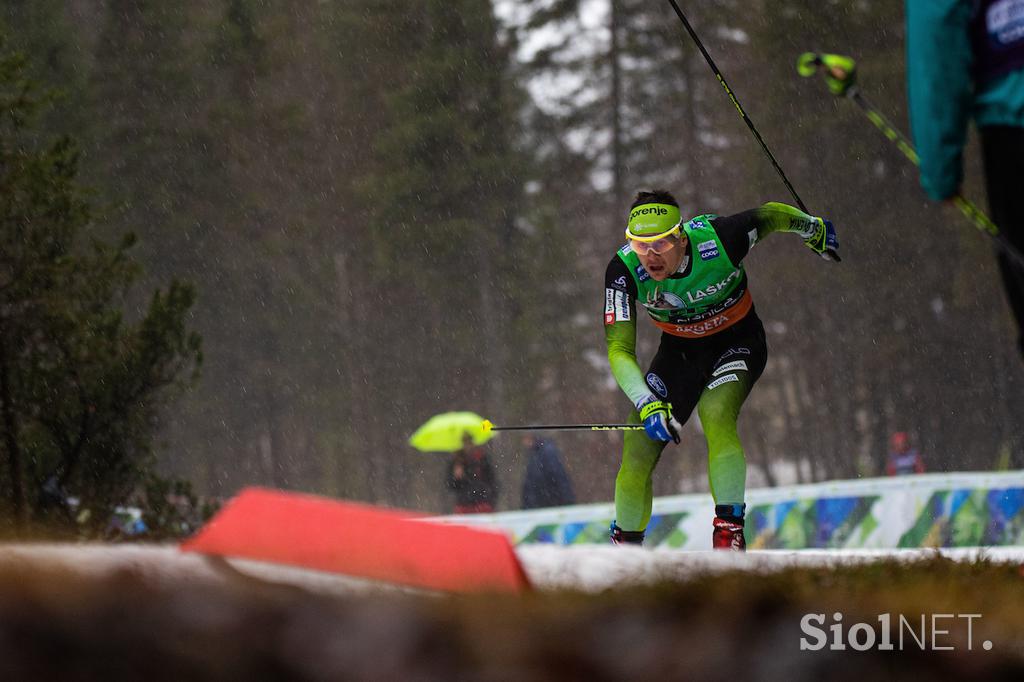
point(927, 510)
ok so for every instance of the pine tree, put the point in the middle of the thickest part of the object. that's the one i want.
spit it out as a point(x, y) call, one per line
point(442, 193)
point(82, 380)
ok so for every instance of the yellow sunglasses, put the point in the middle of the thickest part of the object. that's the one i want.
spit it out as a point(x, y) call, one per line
point(658, 243)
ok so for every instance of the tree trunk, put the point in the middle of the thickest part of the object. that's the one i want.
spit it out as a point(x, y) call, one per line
point(10, 427)
point(271, 441)
point(616, 102)
point(351, 332)
point(690, 137)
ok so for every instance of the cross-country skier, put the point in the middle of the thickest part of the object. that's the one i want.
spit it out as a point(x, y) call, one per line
point(689, 277)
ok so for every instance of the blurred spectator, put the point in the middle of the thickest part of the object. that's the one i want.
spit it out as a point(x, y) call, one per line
point(903, 459)
point(471, 478)
point(965, 60)
point(55, 504)
point(546, 484)
point(125, 522)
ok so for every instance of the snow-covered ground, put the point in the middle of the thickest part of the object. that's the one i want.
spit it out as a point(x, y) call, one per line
point(590, 568)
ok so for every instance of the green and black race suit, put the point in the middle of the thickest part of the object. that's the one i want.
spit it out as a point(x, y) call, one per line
point(712, 349)
point(707, 295)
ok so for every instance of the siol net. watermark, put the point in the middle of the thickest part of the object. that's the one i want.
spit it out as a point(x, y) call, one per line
point(891, 632)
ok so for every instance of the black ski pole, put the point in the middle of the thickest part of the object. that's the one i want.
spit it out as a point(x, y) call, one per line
point(488, 426)
point(743, 114)
point(840, 75)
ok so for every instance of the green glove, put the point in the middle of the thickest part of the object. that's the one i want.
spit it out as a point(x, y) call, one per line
point(840, 72)
point(658, 421)
point(823, 240)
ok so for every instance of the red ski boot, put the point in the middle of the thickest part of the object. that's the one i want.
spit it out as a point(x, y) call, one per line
point(728, 533)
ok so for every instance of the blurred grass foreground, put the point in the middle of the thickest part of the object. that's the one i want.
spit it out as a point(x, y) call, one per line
point(132, 621)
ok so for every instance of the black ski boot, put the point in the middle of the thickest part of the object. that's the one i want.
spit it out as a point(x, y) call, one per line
point(626, 537)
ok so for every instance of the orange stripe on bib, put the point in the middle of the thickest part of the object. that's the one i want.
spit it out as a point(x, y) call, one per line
point(712, 325)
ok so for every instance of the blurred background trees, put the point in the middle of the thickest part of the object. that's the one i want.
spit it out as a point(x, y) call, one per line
point(84, 375)
point(393, 210)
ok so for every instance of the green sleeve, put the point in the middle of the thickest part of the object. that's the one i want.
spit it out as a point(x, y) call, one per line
point(776, 217)
point(621, 341)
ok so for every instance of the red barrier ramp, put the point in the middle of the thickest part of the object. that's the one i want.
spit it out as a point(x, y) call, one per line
point(359, 540)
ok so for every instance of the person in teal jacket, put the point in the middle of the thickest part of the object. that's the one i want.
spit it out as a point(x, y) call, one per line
point(965, 60)
point(689, 278)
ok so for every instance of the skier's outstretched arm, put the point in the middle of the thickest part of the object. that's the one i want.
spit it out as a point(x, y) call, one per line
point(741, 231)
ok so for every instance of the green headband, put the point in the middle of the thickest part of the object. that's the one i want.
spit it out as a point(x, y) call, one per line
point(647, 220)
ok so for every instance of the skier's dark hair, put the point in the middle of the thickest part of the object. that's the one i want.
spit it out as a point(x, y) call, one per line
point(654, 196)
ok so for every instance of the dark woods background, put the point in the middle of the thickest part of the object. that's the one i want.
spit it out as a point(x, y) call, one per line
point(387, 210)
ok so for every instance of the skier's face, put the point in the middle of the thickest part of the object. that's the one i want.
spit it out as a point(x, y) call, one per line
point(661, 266)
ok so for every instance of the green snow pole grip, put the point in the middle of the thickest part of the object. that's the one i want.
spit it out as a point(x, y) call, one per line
point(840, 75)
point(488, 426)
point(840, 72)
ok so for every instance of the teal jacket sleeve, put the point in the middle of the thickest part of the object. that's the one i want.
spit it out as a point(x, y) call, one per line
point(939, 89)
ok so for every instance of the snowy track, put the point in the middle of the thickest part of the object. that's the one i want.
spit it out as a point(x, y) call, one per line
point(588, 568)
point(593, 568)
